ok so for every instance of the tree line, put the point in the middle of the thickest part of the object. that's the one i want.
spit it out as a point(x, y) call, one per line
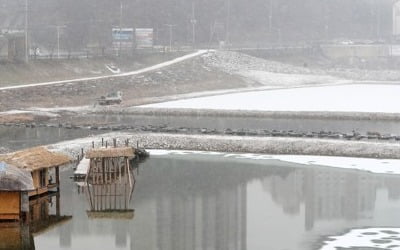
point(83, 23)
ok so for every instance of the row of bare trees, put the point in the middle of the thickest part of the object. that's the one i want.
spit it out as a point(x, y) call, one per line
point(83, 23)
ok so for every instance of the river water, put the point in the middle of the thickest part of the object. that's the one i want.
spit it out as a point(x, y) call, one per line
point(209, 201)
point(197, 201)
point(221, 123)
point(14, 137)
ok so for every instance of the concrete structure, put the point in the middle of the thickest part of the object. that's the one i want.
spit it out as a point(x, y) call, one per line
point(16, 45)
point(396, 19)
point(356, 51)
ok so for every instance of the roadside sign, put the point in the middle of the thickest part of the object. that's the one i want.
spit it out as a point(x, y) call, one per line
point(122, 37)
point(144, 38)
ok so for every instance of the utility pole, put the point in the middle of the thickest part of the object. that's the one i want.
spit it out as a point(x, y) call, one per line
point(270, 17)
point(193, 21)
point(378, 20)
point(228, 22)
point(26, 32)
point(58, 27)
point(120, 29)
point(170, 26)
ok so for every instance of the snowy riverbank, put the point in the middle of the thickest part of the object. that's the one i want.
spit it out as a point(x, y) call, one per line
point(284, 149)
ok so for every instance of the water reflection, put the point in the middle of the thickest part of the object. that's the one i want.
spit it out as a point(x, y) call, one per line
point(328, 193)
point(16, 138)
point(211, 202)
point(109, 191)
point(44, 214)
point(15, 237)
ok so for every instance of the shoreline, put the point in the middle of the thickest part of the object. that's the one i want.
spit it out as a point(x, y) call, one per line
point(239, 144)
point(251, 114)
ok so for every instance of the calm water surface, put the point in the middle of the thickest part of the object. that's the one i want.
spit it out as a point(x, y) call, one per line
point(213, 202)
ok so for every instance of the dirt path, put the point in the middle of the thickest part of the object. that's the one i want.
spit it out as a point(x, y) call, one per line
point(182, 75)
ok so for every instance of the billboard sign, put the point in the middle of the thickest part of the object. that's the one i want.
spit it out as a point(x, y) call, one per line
point(122, 37)
point(144, 38)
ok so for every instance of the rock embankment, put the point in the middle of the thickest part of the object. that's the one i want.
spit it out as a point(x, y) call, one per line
point(265, 133)
point(239, 144)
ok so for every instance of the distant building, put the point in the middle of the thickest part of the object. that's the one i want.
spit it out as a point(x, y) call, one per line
point(396, 19)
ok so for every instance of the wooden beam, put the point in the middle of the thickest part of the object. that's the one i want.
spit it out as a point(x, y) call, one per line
point(58, 178)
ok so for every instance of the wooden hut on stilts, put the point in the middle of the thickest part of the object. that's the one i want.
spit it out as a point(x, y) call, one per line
point(15, 184)
point(110, 182)
point(27, 175)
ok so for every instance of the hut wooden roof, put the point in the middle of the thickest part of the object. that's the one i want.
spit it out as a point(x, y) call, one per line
point(110, 152)
point(35, 159)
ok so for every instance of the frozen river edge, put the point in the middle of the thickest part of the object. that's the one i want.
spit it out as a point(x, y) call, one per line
point(239, 144)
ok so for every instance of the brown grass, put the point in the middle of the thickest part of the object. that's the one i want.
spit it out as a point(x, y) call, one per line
point(35, 159)
point(110, 152)
point(16, 118)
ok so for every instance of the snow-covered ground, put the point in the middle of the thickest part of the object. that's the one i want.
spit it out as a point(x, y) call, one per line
point(343, 98)
point(282, 79)
point(236, 62)
point(266, 72)
point(35, 112)
point(132, 73)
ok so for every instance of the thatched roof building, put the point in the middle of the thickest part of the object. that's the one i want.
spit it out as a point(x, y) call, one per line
point(14, 179)
point(111, 152)
point(35, 159)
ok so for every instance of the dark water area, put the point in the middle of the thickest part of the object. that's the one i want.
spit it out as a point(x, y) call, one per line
point(213, 202)
point(222, 123)
point(14, 138)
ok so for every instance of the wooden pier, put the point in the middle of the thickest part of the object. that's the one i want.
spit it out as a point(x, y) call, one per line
point(110, 182)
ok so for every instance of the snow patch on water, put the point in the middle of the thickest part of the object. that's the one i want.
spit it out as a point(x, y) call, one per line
point(344, 98)
point(379, 166)
point(377, 238)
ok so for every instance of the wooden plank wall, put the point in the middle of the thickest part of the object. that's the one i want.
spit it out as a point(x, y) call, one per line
point(10, 203)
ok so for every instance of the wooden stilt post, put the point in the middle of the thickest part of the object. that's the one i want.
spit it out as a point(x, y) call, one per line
point(58, 178)
point(58, 206)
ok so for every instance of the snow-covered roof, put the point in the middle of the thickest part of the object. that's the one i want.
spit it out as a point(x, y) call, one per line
point(14, 179)
point(82, 167)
